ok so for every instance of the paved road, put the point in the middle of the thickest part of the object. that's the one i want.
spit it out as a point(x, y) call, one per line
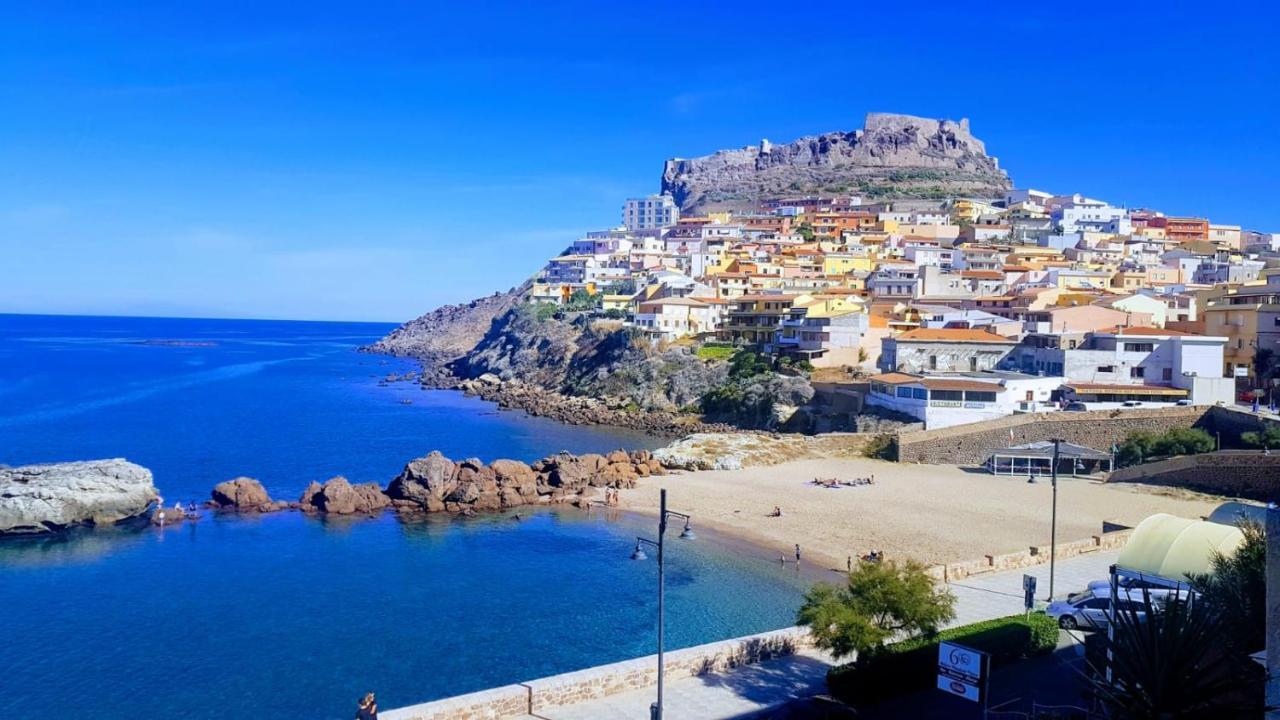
point(757, 688)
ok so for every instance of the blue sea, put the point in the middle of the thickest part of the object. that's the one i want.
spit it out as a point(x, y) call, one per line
point(287, 616)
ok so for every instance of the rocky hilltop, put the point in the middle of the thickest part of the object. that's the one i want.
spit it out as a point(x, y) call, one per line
point(892, 156)
point(48, 498)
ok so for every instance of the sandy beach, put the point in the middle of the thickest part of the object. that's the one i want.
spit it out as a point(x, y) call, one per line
point(933, 513)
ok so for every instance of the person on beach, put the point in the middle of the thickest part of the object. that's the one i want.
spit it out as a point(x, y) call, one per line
point(777, 512)
point(797, 553)
point(367, 709)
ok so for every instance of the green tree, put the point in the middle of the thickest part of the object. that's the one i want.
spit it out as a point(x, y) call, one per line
point(1237, 590)
point(805, 230)
point(747, 364)
point(879, 602)
point(1167, 662)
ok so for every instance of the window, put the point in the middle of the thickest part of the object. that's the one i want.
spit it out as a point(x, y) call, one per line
point(973, 396)
point(919, 393)
point(1139, 347)
point(904, 392)
point(1166, 374)
point(1106, 368)
point(1137, 372)
point(947, 395)
point(1071, 344)
point(973, 363)
point(933, 362)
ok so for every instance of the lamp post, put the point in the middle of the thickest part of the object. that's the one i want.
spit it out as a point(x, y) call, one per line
point(655, 710)
point(1053, 522)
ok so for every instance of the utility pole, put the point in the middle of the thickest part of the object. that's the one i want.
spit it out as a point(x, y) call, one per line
point(1273, 612)
point(1053, 521)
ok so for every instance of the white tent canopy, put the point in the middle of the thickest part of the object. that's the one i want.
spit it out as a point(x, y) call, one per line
point(1171, 547)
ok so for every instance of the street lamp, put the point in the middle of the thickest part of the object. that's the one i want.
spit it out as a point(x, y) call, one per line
point(1053, 522)
point(655, 710)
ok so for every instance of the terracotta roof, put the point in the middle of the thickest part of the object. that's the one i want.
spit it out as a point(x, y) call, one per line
point(1144, 331)
point(691, 302)
point(752, 298)
point(989, 274)
point(959, 384)
point(894, 378)
point(955, 335)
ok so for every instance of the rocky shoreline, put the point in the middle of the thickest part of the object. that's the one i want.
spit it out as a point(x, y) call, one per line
point(436, 484)
point(574, 410)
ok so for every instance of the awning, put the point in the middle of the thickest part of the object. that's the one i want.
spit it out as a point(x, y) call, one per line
point(1044, 449)
point(1171, 547)
point(1099, 389)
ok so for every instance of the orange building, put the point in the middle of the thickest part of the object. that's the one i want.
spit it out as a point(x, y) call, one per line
point(1186, 229)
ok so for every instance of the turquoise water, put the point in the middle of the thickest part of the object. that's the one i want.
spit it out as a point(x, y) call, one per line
point(294, 617)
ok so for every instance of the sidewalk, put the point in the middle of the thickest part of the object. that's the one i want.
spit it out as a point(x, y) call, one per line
point(758, 688)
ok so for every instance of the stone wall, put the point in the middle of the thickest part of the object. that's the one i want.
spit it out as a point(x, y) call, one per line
point(973, 443)
point(1034, 555)
point(1238, 473)
point(534, 696)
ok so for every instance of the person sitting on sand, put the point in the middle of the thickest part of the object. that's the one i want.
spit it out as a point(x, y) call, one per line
point(367, 709)
point(777, 512)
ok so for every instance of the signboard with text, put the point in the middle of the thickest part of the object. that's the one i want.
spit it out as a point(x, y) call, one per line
point(961, 671)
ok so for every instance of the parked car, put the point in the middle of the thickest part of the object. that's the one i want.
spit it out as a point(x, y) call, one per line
point(1091, 609)
point(1132, 403)
point(1183, 402)
point(1075, 407)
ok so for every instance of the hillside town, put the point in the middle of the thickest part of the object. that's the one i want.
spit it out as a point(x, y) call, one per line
point(950, 311)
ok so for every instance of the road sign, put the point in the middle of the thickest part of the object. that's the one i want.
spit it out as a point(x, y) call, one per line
point(1029, 591)
point(962, 671)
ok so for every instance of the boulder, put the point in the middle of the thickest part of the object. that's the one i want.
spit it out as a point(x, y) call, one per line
point(424, 479)
point(51, 498)
point(618, 456)
point(243, 494)
point(308, 500)
point(515, 474)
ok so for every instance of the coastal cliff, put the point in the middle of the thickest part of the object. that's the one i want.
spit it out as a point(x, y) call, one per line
point(892, 156)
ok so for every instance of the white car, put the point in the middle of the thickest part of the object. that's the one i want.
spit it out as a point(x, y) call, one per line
point(1090, 610)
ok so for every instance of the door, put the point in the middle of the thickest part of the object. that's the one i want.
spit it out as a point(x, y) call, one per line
point(1094, 612)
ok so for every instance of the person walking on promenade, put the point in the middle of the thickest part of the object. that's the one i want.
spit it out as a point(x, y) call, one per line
point(367, 709)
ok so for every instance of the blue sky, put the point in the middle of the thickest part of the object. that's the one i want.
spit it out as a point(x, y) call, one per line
point(340, 161)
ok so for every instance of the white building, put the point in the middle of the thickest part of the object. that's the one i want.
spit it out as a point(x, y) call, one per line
point(958, 398)
point(647, 213)
point(1148, 365)
point(675, 317)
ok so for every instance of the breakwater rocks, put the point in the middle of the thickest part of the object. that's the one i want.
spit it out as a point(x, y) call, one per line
point(40, 499)
point(435, 483)
point(578, 410)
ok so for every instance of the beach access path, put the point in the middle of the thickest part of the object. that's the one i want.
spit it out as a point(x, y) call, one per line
point(774, 683)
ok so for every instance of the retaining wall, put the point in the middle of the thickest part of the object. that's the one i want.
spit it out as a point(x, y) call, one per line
point(534, 696)
point(1238, 473)
point(1034, 555)
point(973, 443)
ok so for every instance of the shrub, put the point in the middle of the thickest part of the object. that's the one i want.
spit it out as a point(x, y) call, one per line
point(882, 447)
point(1269, 438)
point(615, 314)
point(1144, 445)
point(715, 352)
point(911, 665)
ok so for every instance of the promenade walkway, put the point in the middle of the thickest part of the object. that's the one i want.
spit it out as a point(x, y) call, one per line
point(757, 688)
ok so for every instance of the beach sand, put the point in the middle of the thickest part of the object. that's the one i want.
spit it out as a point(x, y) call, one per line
point(932, 513)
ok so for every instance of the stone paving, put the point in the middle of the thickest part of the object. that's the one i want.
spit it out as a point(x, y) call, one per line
point(757, 688)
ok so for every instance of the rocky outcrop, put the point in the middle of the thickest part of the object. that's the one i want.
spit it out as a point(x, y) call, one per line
point(53, 497)
point(437, 484)
point(893, 156)
point(446, 333)
point(734, 451)
point(339, 497)
point(580, 410)
point(243, 494)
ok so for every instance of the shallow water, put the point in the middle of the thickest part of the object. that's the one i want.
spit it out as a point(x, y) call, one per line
point(294, 617)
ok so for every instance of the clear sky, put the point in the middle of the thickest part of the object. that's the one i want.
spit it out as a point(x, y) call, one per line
point(372, 160)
